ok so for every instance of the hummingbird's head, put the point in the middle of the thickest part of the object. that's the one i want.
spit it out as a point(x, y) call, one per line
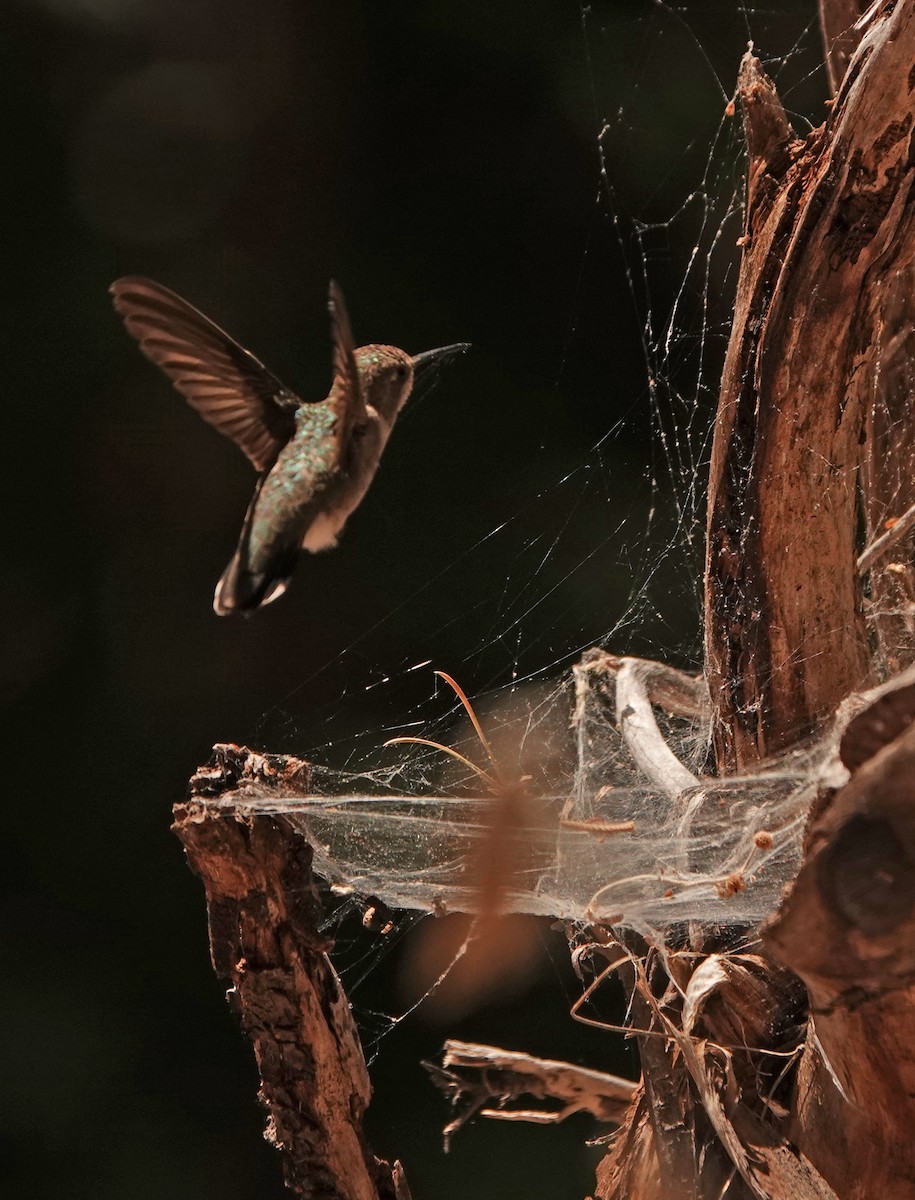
point(387, 378)
point(388, 375)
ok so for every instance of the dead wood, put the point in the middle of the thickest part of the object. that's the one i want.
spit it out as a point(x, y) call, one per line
point(829, 225)
point(265, 941)
point(838, 19)
point(809, 599)
point(676, 692)
point(475, 1076)
point(781, 1080)
point(812, 444)
point(848, 929)
point(888, 477)
point(640, 732)
point(716, 1034)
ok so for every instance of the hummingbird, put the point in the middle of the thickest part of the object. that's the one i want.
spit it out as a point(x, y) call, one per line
point(315, 461)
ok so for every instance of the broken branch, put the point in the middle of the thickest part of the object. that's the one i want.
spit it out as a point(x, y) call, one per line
point(473, 1075)
point(265, 940)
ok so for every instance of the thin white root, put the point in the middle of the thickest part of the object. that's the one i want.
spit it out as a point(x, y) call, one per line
point(640, 731)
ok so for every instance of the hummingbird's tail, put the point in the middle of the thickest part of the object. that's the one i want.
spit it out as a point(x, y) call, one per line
point(243, 589)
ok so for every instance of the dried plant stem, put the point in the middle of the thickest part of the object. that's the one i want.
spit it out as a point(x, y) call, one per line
point(883, 544)
point(640, 732)
point(474, 1076)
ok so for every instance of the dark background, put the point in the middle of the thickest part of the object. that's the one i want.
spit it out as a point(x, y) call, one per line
point(441, 161)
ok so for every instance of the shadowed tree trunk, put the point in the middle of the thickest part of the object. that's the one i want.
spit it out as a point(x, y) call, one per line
point(808, 602)
point(829, 231)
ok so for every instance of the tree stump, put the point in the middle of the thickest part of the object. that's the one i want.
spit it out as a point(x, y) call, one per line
point(784, 1070)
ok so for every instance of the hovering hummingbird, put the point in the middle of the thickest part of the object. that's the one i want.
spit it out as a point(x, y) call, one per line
point(315, 461)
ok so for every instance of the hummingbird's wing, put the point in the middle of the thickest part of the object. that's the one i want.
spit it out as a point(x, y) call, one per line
point(226, 384)
point(346, 393)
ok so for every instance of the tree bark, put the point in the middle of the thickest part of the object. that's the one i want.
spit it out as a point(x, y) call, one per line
point(812, 463)
point(786, 1071)
point(829, 225)
point(847, 929)
point(265, 940)
point(840, 38)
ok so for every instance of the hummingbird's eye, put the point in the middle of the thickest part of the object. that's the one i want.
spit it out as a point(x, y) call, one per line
point(402, 371)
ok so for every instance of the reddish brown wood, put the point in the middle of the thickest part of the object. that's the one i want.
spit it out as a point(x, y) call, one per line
point(813, 454)
point(265, 941)
point(829, 221)
point(848, 930)
point(888, 472)
point(840, 38)
point(712, 1119)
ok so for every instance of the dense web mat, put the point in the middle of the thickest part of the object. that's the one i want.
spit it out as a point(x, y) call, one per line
point(619, 826)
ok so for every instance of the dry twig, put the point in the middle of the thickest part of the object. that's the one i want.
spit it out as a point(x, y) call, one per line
point(474, 1075)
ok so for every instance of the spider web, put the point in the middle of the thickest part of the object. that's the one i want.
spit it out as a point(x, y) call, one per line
point(405, 825)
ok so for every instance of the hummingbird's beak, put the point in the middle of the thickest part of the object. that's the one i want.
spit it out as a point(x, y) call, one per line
point(429, 358)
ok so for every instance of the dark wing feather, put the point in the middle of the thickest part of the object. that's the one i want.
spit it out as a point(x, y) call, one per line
point(346, 393)
point(229, 387)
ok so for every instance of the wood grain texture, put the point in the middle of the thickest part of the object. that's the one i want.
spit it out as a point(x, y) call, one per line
point(840, 38)
point(829, 221)
point(265, 941)
point(847, 928)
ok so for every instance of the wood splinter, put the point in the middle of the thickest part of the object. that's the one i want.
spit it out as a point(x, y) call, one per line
point(475, 1075)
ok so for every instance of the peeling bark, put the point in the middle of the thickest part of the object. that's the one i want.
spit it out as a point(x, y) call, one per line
point(813, 461)
point(847, 929)
point(712, 1119)
point(265, 941)
point(830, 219)
point(485, 1080)
point(783, 1074)
point(888, 474)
